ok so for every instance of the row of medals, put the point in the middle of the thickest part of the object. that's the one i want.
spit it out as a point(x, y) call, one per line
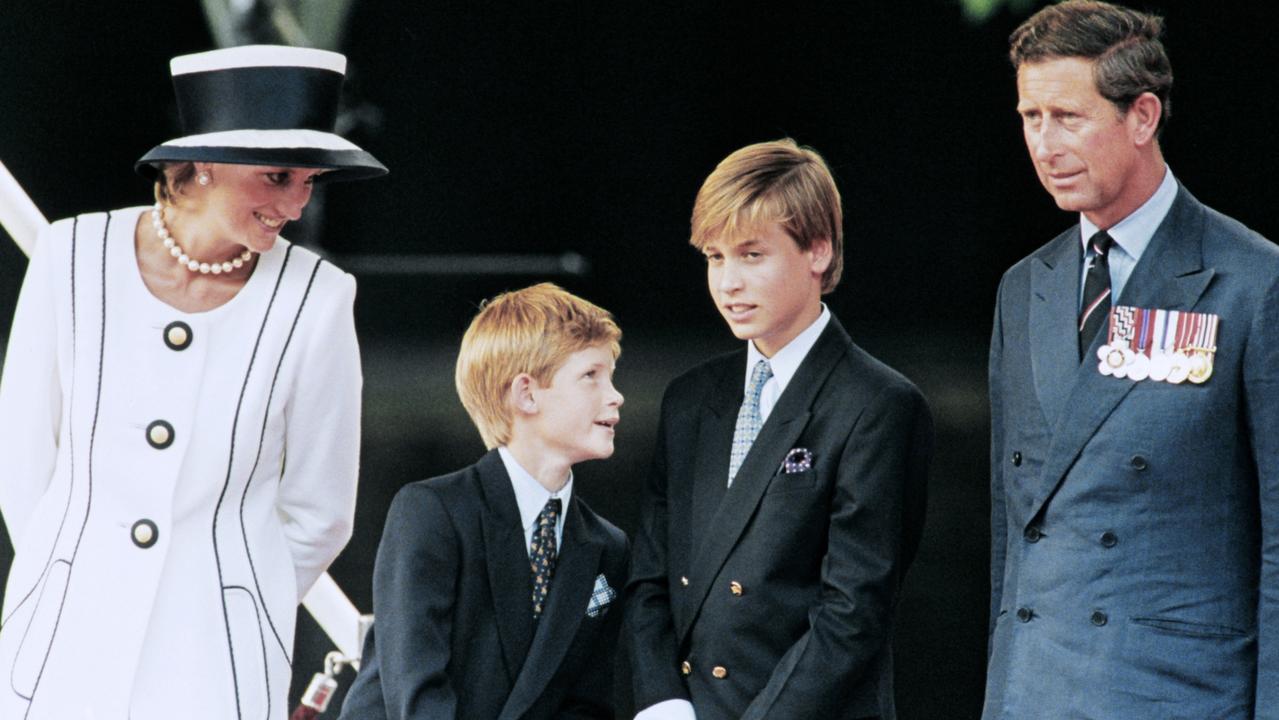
point(1176, 366)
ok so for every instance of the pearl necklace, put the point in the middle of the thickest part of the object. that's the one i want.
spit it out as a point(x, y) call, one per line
point(204, 268)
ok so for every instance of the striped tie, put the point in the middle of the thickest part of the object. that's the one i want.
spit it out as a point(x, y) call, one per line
point(748, 419)
point(1096, 292)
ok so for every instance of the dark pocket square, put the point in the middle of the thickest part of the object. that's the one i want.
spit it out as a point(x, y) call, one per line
point(798, 460)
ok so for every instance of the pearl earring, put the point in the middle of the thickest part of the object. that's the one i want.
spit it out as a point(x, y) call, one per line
point(204, 179)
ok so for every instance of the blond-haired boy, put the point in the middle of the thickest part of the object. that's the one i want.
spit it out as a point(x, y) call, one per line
point(495, 587)
point(787, 492)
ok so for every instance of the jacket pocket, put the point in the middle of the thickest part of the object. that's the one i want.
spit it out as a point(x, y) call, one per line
point(786, 482)
point(1204, 670)
point(1190, 629)
point(37, 636)
point(248, 651)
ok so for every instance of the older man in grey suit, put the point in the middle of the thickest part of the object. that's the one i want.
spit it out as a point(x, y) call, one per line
point(1134, 379)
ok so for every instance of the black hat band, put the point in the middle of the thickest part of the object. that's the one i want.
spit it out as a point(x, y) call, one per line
point(260, 98)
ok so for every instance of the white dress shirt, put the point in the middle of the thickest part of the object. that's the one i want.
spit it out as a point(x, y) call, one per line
point(784, 362)
point(1131, 236)
point(531, 496)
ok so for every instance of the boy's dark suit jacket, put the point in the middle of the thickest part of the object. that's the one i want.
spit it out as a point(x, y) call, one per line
point(455, 635)
point(779, 591)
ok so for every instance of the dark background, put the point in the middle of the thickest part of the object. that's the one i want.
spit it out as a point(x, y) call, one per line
point(587, 127)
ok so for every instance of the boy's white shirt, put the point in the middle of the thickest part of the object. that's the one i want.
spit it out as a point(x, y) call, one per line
point(784, 363)
point(531, 496)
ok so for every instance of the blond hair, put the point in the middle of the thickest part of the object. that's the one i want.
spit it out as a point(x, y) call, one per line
point(531, 331)
point(777, 181)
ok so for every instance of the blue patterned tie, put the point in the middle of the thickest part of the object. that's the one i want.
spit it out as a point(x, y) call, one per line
point(542, 553)
point(748, 419)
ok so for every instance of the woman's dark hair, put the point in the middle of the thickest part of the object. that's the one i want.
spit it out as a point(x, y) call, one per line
point(171, 178)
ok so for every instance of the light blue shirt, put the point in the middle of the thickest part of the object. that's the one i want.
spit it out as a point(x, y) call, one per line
point(1131, 236)
point(531, 496)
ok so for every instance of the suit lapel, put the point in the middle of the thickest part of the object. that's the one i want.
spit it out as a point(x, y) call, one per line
point(1174, 278)
point(783, 427)
point(571, 588)
point(1170, 275)
point(510, 577)
point(715, 444)
point(1054, 333)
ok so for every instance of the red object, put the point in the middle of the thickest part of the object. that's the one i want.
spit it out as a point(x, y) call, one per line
point(304, 713)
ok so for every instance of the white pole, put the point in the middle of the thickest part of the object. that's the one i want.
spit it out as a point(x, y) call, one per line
point(19, 215)
point(335, 614)
point(326, 602)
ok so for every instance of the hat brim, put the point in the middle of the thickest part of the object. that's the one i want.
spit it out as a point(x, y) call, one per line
point(343, 164)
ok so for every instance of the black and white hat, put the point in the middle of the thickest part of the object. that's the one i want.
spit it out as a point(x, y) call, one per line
point(262, 105)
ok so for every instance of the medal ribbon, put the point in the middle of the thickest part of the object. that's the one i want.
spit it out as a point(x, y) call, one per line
point(1146, 323)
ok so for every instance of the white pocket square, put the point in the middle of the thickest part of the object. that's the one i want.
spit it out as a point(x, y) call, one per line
point(601, 596)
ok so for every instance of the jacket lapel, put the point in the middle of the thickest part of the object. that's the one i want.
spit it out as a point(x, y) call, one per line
point(715, 444)
point(1170, 275)
point(783, 427)
point(510, 577)
point(571, 588)
point(1175, 277)
point(1054, 333)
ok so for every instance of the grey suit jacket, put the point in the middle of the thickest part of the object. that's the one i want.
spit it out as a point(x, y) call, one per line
point(779, 592)
point(1135, 525)
point(455, 635)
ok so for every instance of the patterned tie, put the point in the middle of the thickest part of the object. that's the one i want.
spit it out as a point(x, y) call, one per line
point(748, 419)
point(542, 553)
point(1096, 292)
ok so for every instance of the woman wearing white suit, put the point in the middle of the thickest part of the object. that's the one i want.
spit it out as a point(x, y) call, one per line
point(179, 414)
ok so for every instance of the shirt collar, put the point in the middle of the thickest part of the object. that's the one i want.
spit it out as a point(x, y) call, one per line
point(785, 362)
point(1133, 233)
point(531, 495)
